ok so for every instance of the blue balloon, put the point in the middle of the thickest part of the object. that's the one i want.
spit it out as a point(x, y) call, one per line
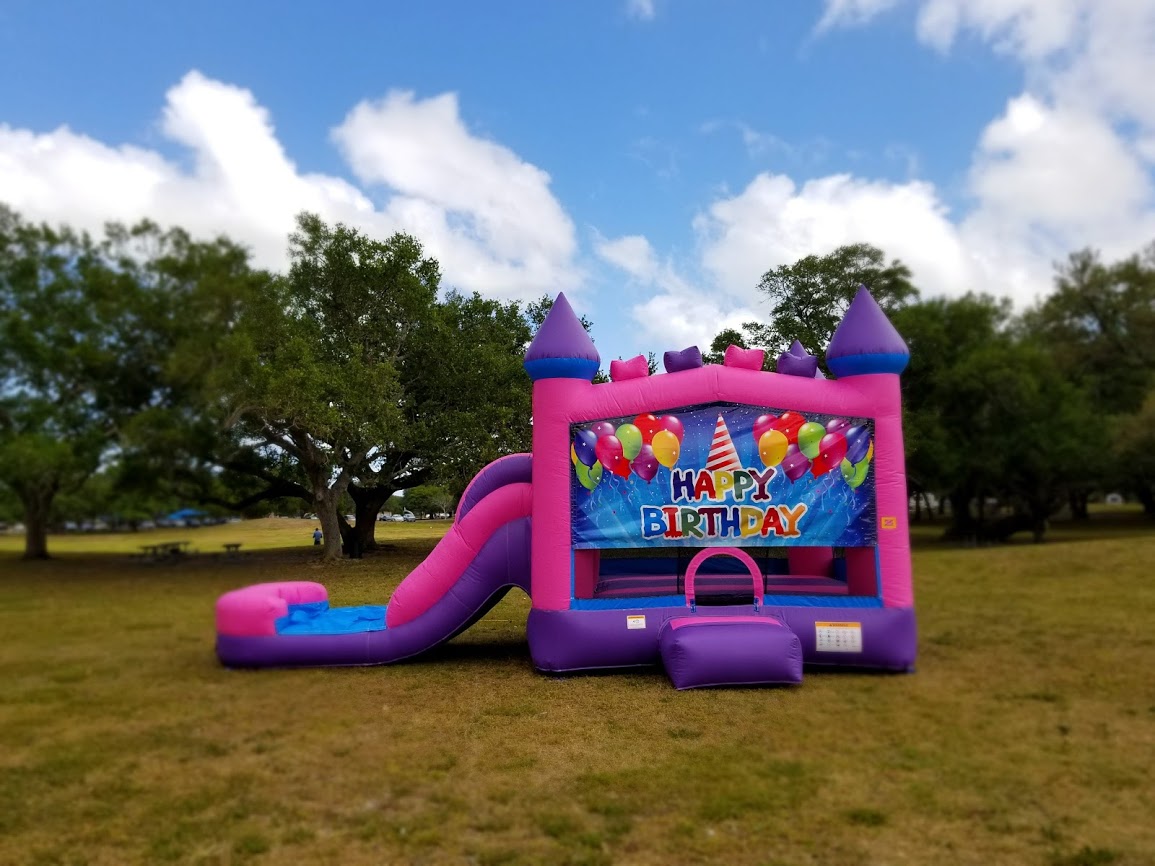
point(857, 443)
point(585, 445)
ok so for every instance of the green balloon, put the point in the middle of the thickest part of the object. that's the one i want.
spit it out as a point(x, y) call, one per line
point(588, 476)
point(854, 473)
point(631, 439)
point(810, 438)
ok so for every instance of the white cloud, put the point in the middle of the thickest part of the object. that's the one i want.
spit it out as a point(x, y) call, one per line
point(487, 215)
point(642, 10)
point(774, 222)
point(676, 312)
point(509, 235)
point(633, 254)
point(842, 13)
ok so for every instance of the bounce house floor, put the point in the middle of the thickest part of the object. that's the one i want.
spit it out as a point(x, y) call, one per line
point(633, 585)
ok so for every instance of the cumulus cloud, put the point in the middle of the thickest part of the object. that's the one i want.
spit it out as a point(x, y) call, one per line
point(487, 215)
point(774, 222)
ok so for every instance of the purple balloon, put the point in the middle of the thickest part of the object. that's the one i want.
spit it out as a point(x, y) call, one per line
point(857, 443)
point(584, 446)
point(645, 464)
point(795, 464)
point(837, 425)
point(603, 428)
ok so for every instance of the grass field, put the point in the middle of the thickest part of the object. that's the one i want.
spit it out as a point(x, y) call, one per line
point(1026, 736)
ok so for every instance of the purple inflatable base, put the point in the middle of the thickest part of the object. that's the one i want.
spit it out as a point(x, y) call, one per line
point(561, 641)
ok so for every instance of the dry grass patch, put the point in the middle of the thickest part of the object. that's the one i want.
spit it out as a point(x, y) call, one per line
point(1026, 736)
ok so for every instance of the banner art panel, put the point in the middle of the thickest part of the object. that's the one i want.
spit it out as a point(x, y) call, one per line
point(723, 474)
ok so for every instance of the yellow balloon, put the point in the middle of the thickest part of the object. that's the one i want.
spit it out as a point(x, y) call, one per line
point(573, 456)
point(869, 453)
point(772, 447)
point(666, 448)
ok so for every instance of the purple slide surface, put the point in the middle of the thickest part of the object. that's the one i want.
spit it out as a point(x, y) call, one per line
point(483, 556)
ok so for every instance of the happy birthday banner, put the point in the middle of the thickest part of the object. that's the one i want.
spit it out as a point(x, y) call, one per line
point(723, 474)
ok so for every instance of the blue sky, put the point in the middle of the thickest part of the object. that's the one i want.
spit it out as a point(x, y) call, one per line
point(650, 157)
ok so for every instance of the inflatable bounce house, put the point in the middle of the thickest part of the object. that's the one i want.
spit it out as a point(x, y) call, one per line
point(728, 523)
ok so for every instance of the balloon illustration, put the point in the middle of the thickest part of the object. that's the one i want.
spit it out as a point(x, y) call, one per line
point(810, 438)
point(830, 453)
point(585, 447)
point(789, 423)
point(666, 448)
point(588, 476)
point(602, 428)
point(648, 425)
point(772, 447)
point(609, 450)
point(671, 424)
point(631, 438)
point(837, 425)
point(573, 456)
point(762, 424)
point(645, 464)
point(795, 464)
point(854, 473)
point(857, 443)
point(869, 452)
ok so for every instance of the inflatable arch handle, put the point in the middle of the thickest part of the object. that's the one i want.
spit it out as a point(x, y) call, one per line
point(739, 554)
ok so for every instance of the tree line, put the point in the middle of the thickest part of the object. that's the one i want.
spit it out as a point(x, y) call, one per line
point(144, 368)
point(1008, 416)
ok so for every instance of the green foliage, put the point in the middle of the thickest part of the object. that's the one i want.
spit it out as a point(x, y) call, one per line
point(725, 339)
point(106, 346)
point(428, 499)
point(808, 298)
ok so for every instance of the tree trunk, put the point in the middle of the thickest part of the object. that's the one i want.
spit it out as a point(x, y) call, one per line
point(368, 501)
point(37, 506)
point(330, 526)
point(963, 526)
point(1077, 500)
point(1146, 494)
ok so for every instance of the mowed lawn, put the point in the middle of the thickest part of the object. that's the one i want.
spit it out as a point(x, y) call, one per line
point(1027, 734)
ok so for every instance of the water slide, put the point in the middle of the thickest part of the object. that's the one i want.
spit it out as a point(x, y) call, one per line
point(483, 556)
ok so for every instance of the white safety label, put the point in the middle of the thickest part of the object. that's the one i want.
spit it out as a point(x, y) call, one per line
point(633, 622)
point(838, 637)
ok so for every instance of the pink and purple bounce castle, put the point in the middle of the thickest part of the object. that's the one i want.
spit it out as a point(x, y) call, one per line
point(727, 523)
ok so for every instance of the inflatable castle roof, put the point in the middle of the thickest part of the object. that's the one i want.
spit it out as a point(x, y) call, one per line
point(864, 342)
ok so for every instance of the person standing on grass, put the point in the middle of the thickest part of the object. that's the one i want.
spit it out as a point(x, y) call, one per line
point(317, 536)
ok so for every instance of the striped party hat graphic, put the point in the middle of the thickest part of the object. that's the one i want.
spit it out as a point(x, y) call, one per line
point(723, 454)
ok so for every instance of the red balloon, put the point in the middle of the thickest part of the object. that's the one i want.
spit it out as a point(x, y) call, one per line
point(609, 451)
point(669, 422)
point(622, 467)
point(649, 425)
point(789, 423)
point(831, 450)
point(763, 424)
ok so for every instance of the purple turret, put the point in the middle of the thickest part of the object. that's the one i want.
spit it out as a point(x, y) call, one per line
point(865, 341)
point(797, 362)
point(562, 349)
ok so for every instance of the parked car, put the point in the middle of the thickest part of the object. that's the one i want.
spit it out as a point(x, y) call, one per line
point(397, 518)
point(408, 517)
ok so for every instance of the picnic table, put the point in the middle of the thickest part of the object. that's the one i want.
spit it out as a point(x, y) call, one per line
point(165, 550)
point(232, 549)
